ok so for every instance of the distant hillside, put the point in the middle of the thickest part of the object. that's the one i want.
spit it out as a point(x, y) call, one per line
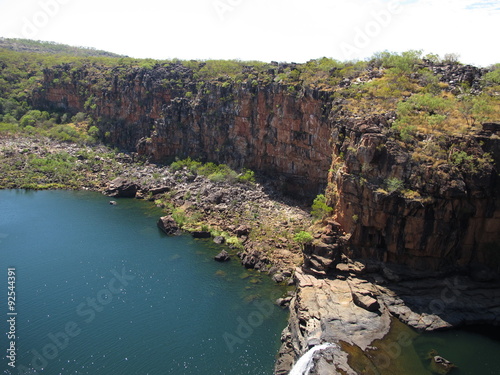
point(26, 45)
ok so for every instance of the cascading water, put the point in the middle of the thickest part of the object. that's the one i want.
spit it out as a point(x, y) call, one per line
point(305, 363)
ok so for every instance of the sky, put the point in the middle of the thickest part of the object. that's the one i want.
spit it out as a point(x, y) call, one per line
point(265, 30)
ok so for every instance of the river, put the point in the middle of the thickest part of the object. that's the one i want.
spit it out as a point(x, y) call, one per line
point(100, 290)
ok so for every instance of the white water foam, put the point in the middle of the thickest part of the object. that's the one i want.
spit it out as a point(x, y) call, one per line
point(305, 363)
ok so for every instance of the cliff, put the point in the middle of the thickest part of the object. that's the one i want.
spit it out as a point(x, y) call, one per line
point(163, 113)
point(440, 214)
point(411, 174)
point(406, 151)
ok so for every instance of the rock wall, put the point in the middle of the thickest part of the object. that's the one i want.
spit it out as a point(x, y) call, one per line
point(441, 216)
point(164, 113)
point(426, 216)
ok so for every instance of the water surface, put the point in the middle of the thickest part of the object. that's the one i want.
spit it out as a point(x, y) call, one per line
point(474, 350)
point(100, 290)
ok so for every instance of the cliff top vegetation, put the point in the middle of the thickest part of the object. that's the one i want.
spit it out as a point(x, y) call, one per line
point(428, 94)
point(38, 46)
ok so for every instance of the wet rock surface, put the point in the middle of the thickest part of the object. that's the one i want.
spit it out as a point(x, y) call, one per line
point(223, 256)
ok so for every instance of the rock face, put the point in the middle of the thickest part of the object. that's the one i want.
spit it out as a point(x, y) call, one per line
point(264, 127)
point(452, 218)
point(254, 259)
point(324, 310)
point(201, 234)
point(456, 74)
point(397, 209)
point(400, 210)
point(356, 307)
point(322, 255)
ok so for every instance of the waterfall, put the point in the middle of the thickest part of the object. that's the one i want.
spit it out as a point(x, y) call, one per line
point(305, 363)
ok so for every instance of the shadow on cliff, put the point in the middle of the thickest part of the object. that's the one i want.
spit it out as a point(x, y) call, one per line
point(431, 300)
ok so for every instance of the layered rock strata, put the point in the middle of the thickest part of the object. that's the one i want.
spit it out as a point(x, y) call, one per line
point(163, 113)
point(400, 210)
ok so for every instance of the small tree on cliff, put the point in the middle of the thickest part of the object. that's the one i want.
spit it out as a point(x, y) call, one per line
point(303, 238)
point(319, 208)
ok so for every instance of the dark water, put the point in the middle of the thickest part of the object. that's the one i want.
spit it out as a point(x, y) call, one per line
point(474, 351)
point(101, 291)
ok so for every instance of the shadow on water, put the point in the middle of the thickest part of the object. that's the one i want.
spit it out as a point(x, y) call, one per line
point(404, 351)
point(438, 299)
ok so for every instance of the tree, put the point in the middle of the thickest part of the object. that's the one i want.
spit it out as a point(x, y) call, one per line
point(303, 237)
point(451, 58)
point(79, 117)
point(93, 131)
point(319, 207)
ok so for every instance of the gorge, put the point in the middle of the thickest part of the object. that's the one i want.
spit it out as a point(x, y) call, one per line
point(406, 156)
point(441, 212)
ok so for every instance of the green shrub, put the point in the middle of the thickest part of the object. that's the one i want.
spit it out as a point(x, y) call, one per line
point(180, 217)
point(404, 63)
point(247, 176)
point(394, 184)
point(8, 127)
point(234, 242)
point(93, 131)
point(217, 177)
point(319, 207)
point(214, 172)
point(303, 237)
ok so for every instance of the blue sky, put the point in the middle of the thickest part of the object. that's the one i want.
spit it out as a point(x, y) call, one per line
point(266, 30)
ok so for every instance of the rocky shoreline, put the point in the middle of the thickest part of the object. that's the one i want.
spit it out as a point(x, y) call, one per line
point(338, 300)
point(357, 302)
point(270, 219)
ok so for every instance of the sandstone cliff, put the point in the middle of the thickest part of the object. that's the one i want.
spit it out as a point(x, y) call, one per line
point(408, 153)
point(397, 209)
point(164, 112)
point(428, 201)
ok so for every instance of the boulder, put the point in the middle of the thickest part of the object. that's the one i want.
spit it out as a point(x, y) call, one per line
point(216, 198)
point(201, 234)
point(168, 225)
point(365, 301)
point(493, 127)
point(440, 365)
point(121, 187)
point(254, 259)
point(278, 278)
point(223, 256)
point(219, 240)
point(159, 190)
point(242, 230)
point(283, 302)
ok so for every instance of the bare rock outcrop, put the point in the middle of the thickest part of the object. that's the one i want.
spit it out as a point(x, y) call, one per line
point(357, 307)
point(400, 210)
point(168, 225)
point(121, 187)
